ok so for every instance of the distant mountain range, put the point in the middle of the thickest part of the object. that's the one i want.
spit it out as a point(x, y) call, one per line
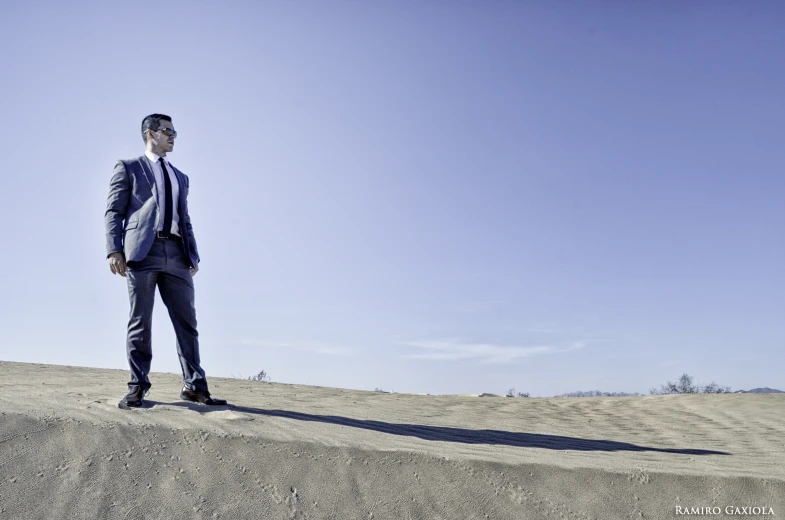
point(597, 393)
point(764, 390)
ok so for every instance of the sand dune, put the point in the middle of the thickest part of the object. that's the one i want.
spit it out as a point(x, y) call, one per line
point(302, 452)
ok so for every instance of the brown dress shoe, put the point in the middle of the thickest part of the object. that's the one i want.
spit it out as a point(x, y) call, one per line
point(200, 397)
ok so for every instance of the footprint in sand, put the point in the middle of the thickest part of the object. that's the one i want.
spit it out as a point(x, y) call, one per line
point(229, 415)
point(101, 404)
point(167, 408)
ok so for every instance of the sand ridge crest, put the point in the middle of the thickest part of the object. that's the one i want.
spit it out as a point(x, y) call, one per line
point(292, 451)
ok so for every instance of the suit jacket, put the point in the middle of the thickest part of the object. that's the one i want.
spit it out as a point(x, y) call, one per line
point(133, 211)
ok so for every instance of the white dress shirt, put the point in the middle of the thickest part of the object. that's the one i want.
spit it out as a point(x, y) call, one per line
point(160, 186)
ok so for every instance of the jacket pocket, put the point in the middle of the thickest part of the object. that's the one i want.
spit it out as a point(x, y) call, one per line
point(132, 225)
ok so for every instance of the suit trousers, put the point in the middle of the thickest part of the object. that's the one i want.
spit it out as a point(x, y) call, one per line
point(167, 267)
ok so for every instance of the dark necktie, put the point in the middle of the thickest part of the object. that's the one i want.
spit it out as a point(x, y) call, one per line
point(168, 208)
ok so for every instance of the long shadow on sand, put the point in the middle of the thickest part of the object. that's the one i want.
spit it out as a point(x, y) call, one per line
point(466, 436)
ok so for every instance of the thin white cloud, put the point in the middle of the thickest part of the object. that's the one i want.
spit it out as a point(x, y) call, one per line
point(456, 349)
point(318, 347)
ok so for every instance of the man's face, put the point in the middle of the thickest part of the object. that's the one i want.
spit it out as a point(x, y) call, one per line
point(164, 137)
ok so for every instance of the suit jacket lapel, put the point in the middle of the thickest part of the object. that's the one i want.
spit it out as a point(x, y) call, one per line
point(181, 182)
point(150, 178)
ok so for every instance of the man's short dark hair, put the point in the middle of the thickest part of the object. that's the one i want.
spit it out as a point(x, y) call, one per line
point(153, 122)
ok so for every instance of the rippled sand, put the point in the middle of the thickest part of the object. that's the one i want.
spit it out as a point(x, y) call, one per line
point(303, 452)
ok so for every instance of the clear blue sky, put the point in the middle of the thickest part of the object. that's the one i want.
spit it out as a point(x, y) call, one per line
point(427, 197)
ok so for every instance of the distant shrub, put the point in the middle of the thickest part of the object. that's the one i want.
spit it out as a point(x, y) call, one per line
point(714, 388)
point(511, 393)
point(597, 393)
point(261, 376)
point(686, 385)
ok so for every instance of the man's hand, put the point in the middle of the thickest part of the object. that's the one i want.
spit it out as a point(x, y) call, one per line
point(194, 270)
point(117, 263)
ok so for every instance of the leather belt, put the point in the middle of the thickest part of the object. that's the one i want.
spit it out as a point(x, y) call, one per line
point(171, 236)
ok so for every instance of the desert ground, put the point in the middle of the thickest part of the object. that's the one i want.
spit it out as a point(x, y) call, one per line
point(285, 451)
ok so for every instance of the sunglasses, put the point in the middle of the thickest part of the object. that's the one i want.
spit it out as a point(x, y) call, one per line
point(168, 132)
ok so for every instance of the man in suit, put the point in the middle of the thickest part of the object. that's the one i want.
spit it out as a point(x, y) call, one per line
point(150, 241)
